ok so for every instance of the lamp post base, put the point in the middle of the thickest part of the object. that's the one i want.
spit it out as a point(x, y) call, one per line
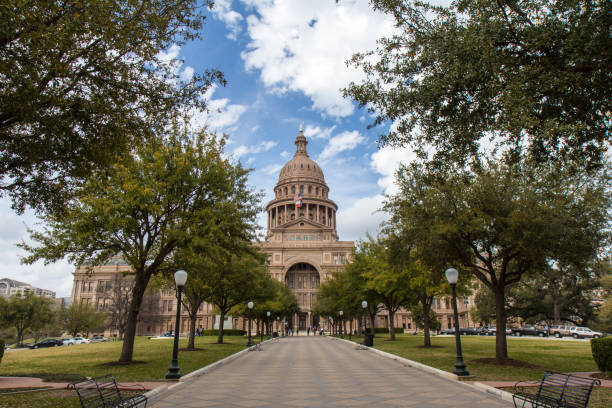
point(174, 372)
point(460, 368)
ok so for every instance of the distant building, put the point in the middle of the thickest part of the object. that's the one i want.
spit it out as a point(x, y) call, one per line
point(10, 287)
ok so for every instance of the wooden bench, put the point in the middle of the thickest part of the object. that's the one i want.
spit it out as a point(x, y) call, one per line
point(103, 392)
point(555, 390)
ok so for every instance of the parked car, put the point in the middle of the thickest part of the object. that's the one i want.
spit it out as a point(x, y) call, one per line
point(68, 342)
point(584, 332)
point(98, 339)
point(529, 331)
point(464, 331)
point(560, 330)
point(46, 343)
point(80, 340)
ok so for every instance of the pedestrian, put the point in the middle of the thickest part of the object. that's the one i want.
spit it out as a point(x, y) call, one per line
point(314, 331)
point(308, 331)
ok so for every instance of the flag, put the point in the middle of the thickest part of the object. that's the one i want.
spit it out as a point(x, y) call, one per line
point(298, 200)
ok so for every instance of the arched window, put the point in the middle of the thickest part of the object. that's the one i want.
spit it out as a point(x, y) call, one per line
point(301, 189)
point(309, 189)
point(292, 189)
point(317, 191)
point(286, 191)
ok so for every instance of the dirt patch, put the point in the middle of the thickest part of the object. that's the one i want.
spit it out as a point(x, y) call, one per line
point(507, 362)
point(430, 347)
point(122, 363)
point(193, 349)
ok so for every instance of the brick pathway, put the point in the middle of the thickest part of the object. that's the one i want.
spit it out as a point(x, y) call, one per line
point(318, 372)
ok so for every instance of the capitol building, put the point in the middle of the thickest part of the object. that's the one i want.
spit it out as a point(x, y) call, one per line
point(303, 249)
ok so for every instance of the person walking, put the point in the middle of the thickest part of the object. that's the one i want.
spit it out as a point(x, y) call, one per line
point(308, 331)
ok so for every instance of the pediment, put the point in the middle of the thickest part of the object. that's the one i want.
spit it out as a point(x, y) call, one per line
point(301, 223)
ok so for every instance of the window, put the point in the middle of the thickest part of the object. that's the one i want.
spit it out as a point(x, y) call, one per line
point(292, 189)
point(317, 191)
point(309, 189)
point(170, 305)
point(312, 237)
point(291, 238)
point(305, 237)
point(286, 191)
point(299, 237)
point(318, 237)
point(301, 189)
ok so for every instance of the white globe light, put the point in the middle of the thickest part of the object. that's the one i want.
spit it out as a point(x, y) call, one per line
point(268, 314)
point(364, 304)
point(250, 305)
point(452, 275)
point(180, 277)
point(341, 313)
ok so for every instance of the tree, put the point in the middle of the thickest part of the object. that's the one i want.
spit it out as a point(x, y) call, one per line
point(82, 83)
point(81, 318)
point(238, 278)
point(557, 294)
point(533, 74)
point(604, 315)
point(419, 318)
point(484, 306)
point(119, 299)
point(141, 209)
point(26, 312)
point(504, 222)
point(390, 280)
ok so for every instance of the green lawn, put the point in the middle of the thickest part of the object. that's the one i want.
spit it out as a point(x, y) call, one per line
point(539, 354)
point(68, 363)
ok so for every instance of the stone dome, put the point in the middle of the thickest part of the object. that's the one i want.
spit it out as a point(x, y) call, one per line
point(301, 166)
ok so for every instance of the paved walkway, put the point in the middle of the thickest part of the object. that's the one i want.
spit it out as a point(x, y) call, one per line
point(319, 372)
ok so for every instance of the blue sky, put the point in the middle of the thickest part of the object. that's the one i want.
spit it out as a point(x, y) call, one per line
point(284, 62)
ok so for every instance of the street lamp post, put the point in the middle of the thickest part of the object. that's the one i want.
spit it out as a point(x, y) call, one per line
point(460, 368)
point(367, 338)
point(174, 373)
point(268, 324)
point(250, 306)
point(341, 313)
point(278, 329)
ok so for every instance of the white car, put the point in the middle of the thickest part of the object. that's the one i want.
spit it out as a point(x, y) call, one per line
point(584, 332)
point(80, 340)
point(68, 342)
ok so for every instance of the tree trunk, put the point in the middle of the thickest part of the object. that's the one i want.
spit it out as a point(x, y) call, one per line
point(391, 328)
point(221, 320)
point(501, 348)
point(130, 330)
point(192, 325)
point(372, 323)
point(426, 324)
point(556, 312)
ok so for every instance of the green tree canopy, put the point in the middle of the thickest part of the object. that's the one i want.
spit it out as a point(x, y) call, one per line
point(529, 74)
point(81, 82)
point(27, 312)
point(142, 208)
point(81, 318)
point(504, 222)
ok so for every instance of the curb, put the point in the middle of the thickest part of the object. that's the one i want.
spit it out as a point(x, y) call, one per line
point(501, 394)
point(162, 390)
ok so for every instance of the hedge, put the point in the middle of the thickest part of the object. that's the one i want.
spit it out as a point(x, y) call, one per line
point(602, 353)
point(229, 332)
point(386, 330)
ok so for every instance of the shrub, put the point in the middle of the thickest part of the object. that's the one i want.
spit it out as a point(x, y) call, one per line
point(602, 353)
point(226, 332)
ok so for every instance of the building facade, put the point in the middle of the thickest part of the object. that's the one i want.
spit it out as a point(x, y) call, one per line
point(303, 249)
point(301, 240)
point(10, 287)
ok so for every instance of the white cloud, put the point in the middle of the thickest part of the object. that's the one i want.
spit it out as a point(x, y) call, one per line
point(315, 132)
point(222, 10)
point(262, 146)
point(343, 141)
point(386, 161)
point(272, 169)
point(221, 115)
point(187, 74)
point(285, 154)
point(363, 216)
point(303, 45)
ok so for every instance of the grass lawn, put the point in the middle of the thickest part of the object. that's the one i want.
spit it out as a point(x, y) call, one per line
point(539, 355)
point(52, 398)
point(69, 363)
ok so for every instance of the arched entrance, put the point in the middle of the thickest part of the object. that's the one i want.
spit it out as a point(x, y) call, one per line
point(304, 280)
